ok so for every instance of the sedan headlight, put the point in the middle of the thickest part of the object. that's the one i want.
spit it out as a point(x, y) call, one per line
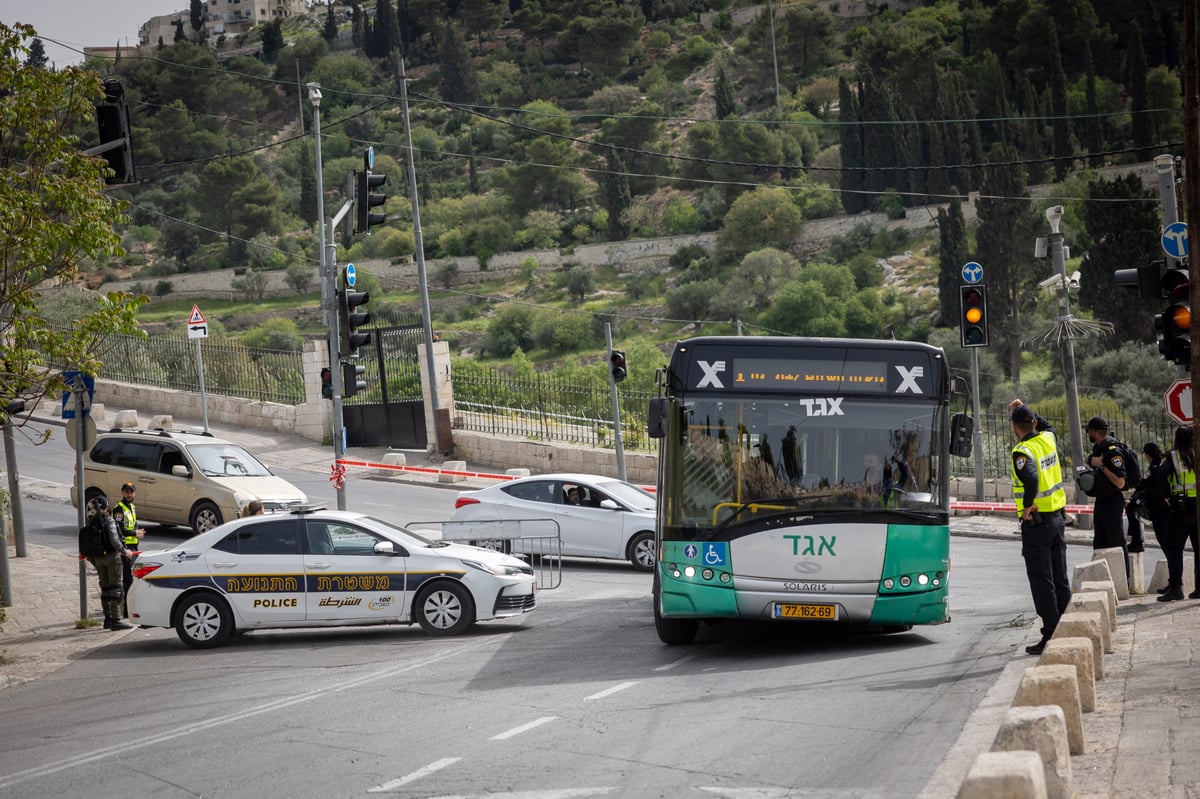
point(497, 568)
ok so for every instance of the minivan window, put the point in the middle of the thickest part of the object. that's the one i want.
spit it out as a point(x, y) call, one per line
point(138, 455)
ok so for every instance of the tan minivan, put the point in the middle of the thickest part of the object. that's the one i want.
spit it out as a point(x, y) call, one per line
point(189, 479)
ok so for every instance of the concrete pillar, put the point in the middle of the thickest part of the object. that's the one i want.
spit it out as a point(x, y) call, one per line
point(1084, 625)
point(1094, 602)
point(1137, 573)
point(1095, 570)
point(1012, 775)
point(1115, 557)
point(1075, 652)
point(1109, 590)
point(1043, 730)
point(1054, 685)
point(437, 429)
point(1159, 580)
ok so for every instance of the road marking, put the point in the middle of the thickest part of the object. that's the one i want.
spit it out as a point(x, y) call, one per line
point(673, 664)
point(97, 755)
point(424, 771)
point(523, 728)
point(561, 793)
point(610, 691)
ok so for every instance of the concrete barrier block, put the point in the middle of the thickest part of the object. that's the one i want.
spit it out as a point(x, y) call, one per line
point(162, 422)
point(392, 459)
point(1137, 573)
point(1075, 652)
point(1159, 580)
point(517, 472)
point(126, 419)
point(1054, 685)
point(1084, 625)
point(1094, 602)
point(1013, 775)
point(1109, 590)
point(1095, 570)
point(97, 413)
point(1043, 730)
point(452, 466)
point(1115, 557)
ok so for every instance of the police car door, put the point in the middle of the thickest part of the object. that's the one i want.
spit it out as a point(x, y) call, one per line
point(347, 579)
point(259, 568)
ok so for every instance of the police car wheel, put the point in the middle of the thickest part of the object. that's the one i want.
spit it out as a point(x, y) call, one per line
point(203, 621)
point(641, 552)
point(445, 609)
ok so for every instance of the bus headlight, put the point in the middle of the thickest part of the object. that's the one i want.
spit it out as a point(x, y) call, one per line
point(689, 571)
point(889, 583)
point(905, 581)
point(922, 579)
point(707, 574)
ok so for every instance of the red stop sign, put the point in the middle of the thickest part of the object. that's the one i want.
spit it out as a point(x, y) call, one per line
point(1179, 400)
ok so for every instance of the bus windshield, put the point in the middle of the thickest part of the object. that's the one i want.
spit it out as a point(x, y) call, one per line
point(743, 461)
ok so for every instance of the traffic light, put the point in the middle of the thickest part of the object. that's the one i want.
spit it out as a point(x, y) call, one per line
point(364, 200)
point(1146, 279)
point(112, 120)
point(352, 379)
point(327, 383)
point(618, 365)
point(350, 319)
point(973, 319)
point(1174, 325)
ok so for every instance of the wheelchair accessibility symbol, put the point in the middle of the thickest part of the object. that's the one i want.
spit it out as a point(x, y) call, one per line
point(715, 554)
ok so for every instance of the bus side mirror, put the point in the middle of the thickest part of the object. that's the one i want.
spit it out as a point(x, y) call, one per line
point(962, 427)
point(656, 420)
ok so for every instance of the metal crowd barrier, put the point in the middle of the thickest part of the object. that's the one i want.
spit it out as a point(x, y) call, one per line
point(538, 542)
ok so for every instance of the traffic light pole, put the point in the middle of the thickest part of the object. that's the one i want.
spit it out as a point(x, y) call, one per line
point(618, 441)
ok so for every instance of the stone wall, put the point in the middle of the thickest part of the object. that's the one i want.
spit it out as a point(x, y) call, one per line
point(483, 449)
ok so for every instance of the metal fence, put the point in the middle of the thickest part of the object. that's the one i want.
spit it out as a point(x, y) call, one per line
point(547, 409)
point(998, 442)
point(229, 369)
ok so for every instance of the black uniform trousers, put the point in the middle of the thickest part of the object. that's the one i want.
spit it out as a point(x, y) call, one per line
point(1109, 520)
point(1181, 526)
point(1044, 548)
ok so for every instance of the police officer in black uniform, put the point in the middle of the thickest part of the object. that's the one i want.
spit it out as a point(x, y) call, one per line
point(1108, 462)
point(1040, 500)
point(124, 513)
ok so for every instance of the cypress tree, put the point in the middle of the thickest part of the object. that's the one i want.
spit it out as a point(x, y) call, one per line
point(1058, 107)
point(330, 31)
point(1143, 127)
point(616, 198)
point(851, 146)
point(723, 91)
point(952, 240)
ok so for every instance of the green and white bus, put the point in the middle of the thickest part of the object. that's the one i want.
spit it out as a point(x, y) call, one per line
point(802, 479)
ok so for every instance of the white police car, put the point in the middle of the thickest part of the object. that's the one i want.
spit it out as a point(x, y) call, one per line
point(318, 568)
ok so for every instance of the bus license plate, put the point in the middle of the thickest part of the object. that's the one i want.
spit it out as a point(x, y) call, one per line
point(814, 612)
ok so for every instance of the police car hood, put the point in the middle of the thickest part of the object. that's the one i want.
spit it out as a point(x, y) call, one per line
point(483, 555)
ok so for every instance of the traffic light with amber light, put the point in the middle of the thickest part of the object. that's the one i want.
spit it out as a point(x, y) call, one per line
point(1174, 325)
point(352, 379)
point(364, 200)
point(973, 319)
point(350, 319)
point(618, 365)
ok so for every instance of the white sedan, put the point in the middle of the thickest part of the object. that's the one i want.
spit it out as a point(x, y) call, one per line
point(318, 568)
point(598, 517)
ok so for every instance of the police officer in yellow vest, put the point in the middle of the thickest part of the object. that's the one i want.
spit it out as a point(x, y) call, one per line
point(1180, 478)
point(125, 515)
point(1040, 497)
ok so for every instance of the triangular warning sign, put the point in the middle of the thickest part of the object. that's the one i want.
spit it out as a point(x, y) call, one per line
point(197, 318)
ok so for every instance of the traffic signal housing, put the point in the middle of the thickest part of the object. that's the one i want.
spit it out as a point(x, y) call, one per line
point(1146, 279)
point(112, 121)
point(352, 379)
point(327, 383)
point(618, 366)
point(350, 319)
point(973, 316)
point(1174, 324)
point(364, 200)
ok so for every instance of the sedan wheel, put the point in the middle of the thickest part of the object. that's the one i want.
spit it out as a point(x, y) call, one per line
point(203, 621)
point(445, 609)
point(641, 552)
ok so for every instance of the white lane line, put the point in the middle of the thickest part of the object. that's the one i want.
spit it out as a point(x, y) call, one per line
point(523, 728)
point(560, 793)
point(673, 664)
point(610, 691)
point(424, 771)
point(8, 780)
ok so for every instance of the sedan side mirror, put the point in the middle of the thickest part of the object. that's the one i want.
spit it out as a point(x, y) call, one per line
point(610, 504)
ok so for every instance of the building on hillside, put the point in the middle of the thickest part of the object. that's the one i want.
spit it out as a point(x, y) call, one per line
point(231, 17)
point(162, 28)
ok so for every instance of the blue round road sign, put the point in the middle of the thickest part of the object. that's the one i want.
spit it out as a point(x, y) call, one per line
point(1175, 240)
point(972, 272)
point(351, 275)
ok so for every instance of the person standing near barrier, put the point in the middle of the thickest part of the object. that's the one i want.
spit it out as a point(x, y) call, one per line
point(1108, 514)
point(1040, 497)
point(1180, 483)
point(108, 566)
point(1151, 496)
point(125, 515)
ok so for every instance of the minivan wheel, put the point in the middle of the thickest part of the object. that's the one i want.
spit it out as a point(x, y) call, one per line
point(205, 517)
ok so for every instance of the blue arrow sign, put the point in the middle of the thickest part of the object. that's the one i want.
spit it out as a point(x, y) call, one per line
point(351, 275)
point(68, 397)
point(1175, 240)
point(972, 272)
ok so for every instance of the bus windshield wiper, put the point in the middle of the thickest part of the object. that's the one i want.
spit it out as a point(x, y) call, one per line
point(773, 505)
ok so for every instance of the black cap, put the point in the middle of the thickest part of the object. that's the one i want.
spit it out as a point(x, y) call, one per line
point(100, 503)
point(1096, 423)
point(1023, 413)
point(128, 487)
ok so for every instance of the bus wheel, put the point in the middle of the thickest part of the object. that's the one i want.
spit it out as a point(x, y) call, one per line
point(673, 631)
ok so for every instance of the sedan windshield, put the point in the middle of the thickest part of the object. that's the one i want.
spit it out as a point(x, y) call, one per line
point(628, 494)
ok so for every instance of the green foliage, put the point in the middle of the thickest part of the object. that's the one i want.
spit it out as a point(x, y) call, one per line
point(252, 283)
point(510, 330)
point(276, 333)
point(300, 277)
point(763, 217)
point(580, 282)
point(559, 332)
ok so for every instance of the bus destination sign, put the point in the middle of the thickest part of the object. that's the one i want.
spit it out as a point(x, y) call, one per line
point(773, 374)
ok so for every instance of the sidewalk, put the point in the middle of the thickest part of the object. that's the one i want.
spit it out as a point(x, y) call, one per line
point(1141, 741)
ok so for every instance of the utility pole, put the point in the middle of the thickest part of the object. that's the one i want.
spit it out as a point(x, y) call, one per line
point(1191, 180)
